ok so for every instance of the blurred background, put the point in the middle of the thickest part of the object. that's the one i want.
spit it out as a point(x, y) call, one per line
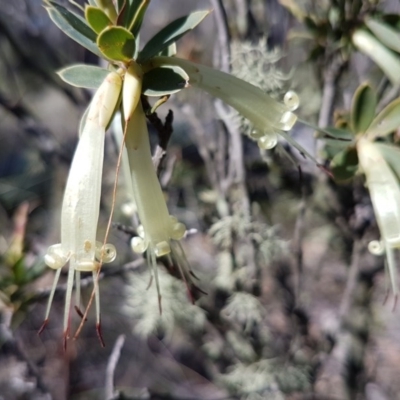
point(294, 307)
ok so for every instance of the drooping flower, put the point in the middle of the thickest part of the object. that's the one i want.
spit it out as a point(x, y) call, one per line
point(81, 203)
point(384, 190)
point(159, 232)
point(269, 117)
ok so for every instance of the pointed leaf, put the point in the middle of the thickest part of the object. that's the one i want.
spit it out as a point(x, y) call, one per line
point(338, 144)
point(163, 81)
point(342, 135)
point(345, 164)
point(120, 5)
point(82, 75)
point(96, 18)
point(76, 21)
point(385, 58)
point(170, 51)
point(171, 33)
point(391, 154)
point(363, 108)
point(62, 22)
point(135, 22)
point(386, 34)
point(387, 121)
point(117, 43)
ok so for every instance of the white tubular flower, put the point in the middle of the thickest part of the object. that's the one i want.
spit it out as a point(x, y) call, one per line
point(158, 226)
point(384, 190)
point(266, 114)
point(80, 208)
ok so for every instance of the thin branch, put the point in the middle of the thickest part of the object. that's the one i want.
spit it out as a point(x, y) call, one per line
point(8, 340)
point(109, 392)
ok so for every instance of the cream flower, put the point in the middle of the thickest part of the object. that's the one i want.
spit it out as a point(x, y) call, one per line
point(81, 203)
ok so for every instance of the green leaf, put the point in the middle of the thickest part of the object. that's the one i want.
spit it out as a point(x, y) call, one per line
point(387, 121)
point(76, 21)
point(116, 43)
point(19, 271)
point(82, 75)
point(392, 20)
point(386, 59)
point(163, 81)
point(391, 154)
point(363, 108)
point(334, 133)
point(74, 30)
point(386, 34)
point(170, 34)
point(108, 7)
point(337, 144)
point(135, 22)
point(121, 5)
point(96, 18)
point(345, 164)
point(170, 51)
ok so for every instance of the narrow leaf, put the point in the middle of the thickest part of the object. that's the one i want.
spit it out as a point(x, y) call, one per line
point(171, 33)
point(385, 58)
point(70, 31)
point(342, 135)
point(363, 108)
point(82, 75)
point(117, 43)
point(163, 81)
point(76, 21)
point(387, 121)
point(345, 164)
point(386, 34)
point(121, 5)
point(170, 51)
point(96, 18)
point(137, 18)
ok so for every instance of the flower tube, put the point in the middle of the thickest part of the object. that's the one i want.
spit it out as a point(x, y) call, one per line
point(384, 190)
point(158, 226)
point(81, 203)
point(262, 110)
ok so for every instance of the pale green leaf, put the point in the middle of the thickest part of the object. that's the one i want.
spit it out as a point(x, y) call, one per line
point(63, 23)
point(387, 121)
point(82, 75)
